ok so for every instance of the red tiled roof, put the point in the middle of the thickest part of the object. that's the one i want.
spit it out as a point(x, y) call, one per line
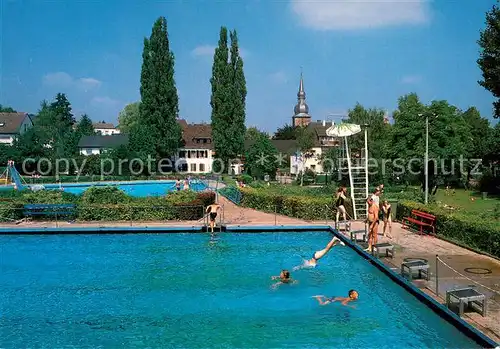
point(10, 123)
point(196, 136)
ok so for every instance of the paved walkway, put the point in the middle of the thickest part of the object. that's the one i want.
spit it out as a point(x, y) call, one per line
point(408, 245)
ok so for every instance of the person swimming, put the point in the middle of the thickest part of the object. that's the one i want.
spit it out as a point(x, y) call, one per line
point(311, 263)
point(352, 296)
point(284, 278)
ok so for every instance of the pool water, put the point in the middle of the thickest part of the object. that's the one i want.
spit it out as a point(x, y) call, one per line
point(186, 291)
point(136, 189)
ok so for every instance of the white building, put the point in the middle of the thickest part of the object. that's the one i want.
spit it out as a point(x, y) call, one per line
point(97, 144)
point(196, 154)
point(12, 125)
point(106, 129)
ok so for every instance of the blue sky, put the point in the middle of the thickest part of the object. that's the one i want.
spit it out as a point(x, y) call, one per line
point(370, 52)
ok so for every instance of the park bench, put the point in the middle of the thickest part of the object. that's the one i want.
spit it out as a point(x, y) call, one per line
point(49, 210)
point(421, 219)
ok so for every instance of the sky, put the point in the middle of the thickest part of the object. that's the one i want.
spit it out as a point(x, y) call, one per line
point(349, 51)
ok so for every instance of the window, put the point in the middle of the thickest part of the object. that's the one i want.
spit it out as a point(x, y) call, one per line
point(193, 167)
point(88, 151)
point(204, 140)
point(313, 167)
point(202, 167)
point(182, 154)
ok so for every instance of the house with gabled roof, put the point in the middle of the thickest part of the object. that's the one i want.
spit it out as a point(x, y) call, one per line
point(13, 125)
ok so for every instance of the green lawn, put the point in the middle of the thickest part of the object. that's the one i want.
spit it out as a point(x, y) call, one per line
point(468, 202)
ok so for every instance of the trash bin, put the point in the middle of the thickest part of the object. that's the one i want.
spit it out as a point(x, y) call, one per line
point(485, 194)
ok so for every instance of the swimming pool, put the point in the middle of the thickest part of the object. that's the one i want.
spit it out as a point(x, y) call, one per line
point(186, 291)
point(137, 189)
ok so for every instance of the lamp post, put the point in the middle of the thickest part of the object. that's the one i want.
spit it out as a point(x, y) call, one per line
point(426, 169)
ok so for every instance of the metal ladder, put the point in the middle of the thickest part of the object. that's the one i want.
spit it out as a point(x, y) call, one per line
point(357, 169)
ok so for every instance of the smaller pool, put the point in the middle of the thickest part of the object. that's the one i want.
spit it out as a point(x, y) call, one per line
point(136, 189)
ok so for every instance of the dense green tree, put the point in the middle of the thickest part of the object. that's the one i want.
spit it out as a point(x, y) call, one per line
point(5, 109)
point(489, 59)
point(129, 116)
point(253, 133)
point(228, 100)
point(261, 158)
point(285, 133)
point(84, 127)
point(159, 106)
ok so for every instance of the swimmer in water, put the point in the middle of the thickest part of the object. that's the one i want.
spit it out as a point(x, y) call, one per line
point(284, 278)
point(311, 263)
point(323, 300)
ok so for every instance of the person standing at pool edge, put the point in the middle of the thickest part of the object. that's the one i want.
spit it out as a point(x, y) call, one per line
point(212, 211)
point(311, 263)
point(178, 185)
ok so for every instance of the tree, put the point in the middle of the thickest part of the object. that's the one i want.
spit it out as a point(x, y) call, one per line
point(489, 58)
point(261, 158)
point(85, 127)
point(253, 133)
point(159, 106)
point(4, 109)
point(228, 99)
point(479, 133)
point(285, 133)
point(129, 116)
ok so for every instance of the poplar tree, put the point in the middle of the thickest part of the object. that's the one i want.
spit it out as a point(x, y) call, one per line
point(159, 108)
point(228, 99)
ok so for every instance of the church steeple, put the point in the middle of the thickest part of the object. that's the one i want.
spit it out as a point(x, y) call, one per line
point(301, 115)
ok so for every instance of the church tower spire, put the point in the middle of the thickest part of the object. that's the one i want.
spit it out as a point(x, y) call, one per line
point(301, 115)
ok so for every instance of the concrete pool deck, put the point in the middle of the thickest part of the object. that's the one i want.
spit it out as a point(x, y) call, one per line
point(407, 244)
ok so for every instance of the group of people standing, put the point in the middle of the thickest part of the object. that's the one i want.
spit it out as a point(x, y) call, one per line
point(376, 212)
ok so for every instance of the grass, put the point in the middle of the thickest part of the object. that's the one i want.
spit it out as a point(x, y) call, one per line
point(469, 202)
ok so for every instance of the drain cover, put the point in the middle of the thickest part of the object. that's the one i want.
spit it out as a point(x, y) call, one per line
point(480, 271)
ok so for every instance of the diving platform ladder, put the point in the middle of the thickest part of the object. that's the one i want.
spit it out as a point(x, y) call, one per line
point(356, 165)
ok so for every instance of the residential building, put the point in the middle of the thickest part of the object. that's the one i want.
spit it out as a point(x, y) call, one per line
point(105, 129)
point(12, 125)
point(196, 153)
point(97, 144)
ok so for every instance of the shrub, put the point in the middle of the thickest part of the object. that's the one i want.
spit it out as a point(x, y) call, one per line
point(302, 207)
point(483, 235)
point(107, 195)
point(245, 178)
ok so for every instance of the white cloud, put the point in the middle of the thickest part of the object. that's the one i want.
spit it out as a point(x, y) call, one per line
point(411, 79)
point(209, 50)
point(104, 101)
point(62, 79)
point(360, 14)
point(203, 50)
point(279, 77)
point(59, 79)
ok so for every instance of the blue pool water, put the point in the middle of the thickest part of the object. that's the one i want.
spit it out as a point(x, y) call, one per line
point(137, 189)
point(182, 291)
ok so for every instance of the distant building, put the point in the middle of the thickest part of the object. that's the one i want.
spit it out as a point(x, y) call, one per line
point(105, 129)
point(301, 115)
point(12, 125)
point(196, 153)
point(98, 144)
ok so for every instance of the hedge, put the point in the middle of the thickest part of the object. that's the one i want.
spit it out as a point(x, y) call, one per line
point(111, 204)
point(478, 234)
point(302, 207)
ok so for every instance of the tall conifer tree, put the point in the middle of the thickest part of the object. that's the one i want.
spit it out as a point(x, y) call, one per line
point(159, 107)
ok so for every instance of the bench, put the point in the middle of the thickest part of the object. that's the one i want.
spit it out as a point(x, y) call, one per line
point(421, 219)
point(383, 247)
point(55, 210)
point(466, 298)
point(408, 270)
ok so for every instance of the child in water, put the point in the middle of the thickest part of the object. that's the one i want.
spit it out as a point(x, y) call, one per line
point(352, 296)
point(284, 278)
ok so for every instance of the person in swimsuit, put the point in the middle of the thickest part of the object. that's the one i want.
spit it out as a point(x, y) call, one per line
point(386, 210)
point(212, 211)
point(178, 185)
point(323, 300)
point(373, 219)
point(284, 278)
point(311, 263)
point(339, 203)
point(186, 184)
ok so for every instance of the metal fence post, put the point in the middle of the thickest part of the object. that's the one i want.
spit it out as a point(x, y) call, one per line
point(437, 275)
point(275, 216)
point(130, 215)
